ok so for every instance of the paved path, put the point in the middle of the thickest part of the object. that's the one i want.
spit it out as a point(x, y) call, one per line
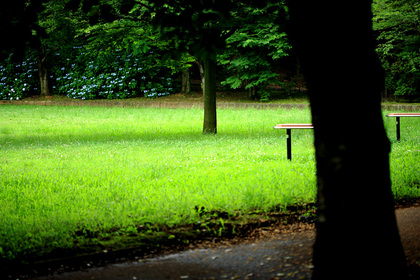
point(284, 256)
point(264, 259)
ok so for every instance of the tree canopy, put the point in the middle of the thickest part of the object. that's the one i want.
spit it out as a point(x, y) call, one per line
point(246, 38)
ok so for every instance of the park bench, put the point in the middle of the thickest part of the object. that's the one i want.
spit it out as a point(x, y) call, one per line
point(289, 128)
point(397, 116)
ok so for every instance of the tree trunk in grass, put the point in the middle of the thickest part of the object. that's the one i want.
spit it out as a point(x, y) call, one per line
point(210, 117)
point(43, 75)
point(357, 234)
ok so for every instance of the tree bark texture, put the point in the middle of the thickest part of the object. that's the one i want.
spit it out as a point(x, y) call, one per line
point(201, 68)
point(186, 82)
point(210, 117)
point(357, 234)
point(43, 79)
point(43, 75)
point(253, 93)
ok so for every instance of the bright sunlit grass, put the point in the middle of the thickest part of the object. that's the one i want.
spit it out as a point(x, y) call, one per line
point(64, 169)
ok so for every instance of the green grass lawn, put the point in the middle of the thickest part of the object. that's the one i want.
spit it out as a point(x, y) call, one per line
point(69, 171)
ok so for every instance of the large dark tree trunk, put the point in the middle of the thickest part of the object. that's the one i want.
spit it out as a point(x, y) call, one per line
point(357, 234)
point(210, 117)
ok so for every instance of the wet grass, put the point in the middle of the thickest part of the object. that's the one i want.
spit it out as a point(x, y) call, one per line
point(83, 176)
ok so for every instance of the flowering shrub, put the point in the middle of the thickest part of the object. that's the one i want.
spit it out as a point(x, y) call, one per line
point(79, 73)
point(108, 75)
point(18, 79)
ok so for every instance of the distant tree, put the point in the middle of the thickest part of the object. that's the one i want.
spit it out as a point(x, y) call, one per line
point(42, 26)
point(58, 27)
point(204, 28)
point(201, 28)
point(397, 25)
point(21, 30)
point(357, 234)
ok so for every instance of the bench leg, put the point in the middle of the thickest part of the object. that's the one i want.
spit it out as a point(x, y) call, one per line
point(289, 144)
point(398, 129)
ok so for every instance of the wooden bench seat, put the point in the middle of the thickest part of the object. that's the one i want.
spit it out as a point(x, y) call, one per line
point(294, 125)
point(403, 115)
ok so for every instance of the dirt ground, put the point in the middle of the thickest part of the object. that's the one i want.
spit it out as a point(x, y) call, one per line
point(273, 255)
